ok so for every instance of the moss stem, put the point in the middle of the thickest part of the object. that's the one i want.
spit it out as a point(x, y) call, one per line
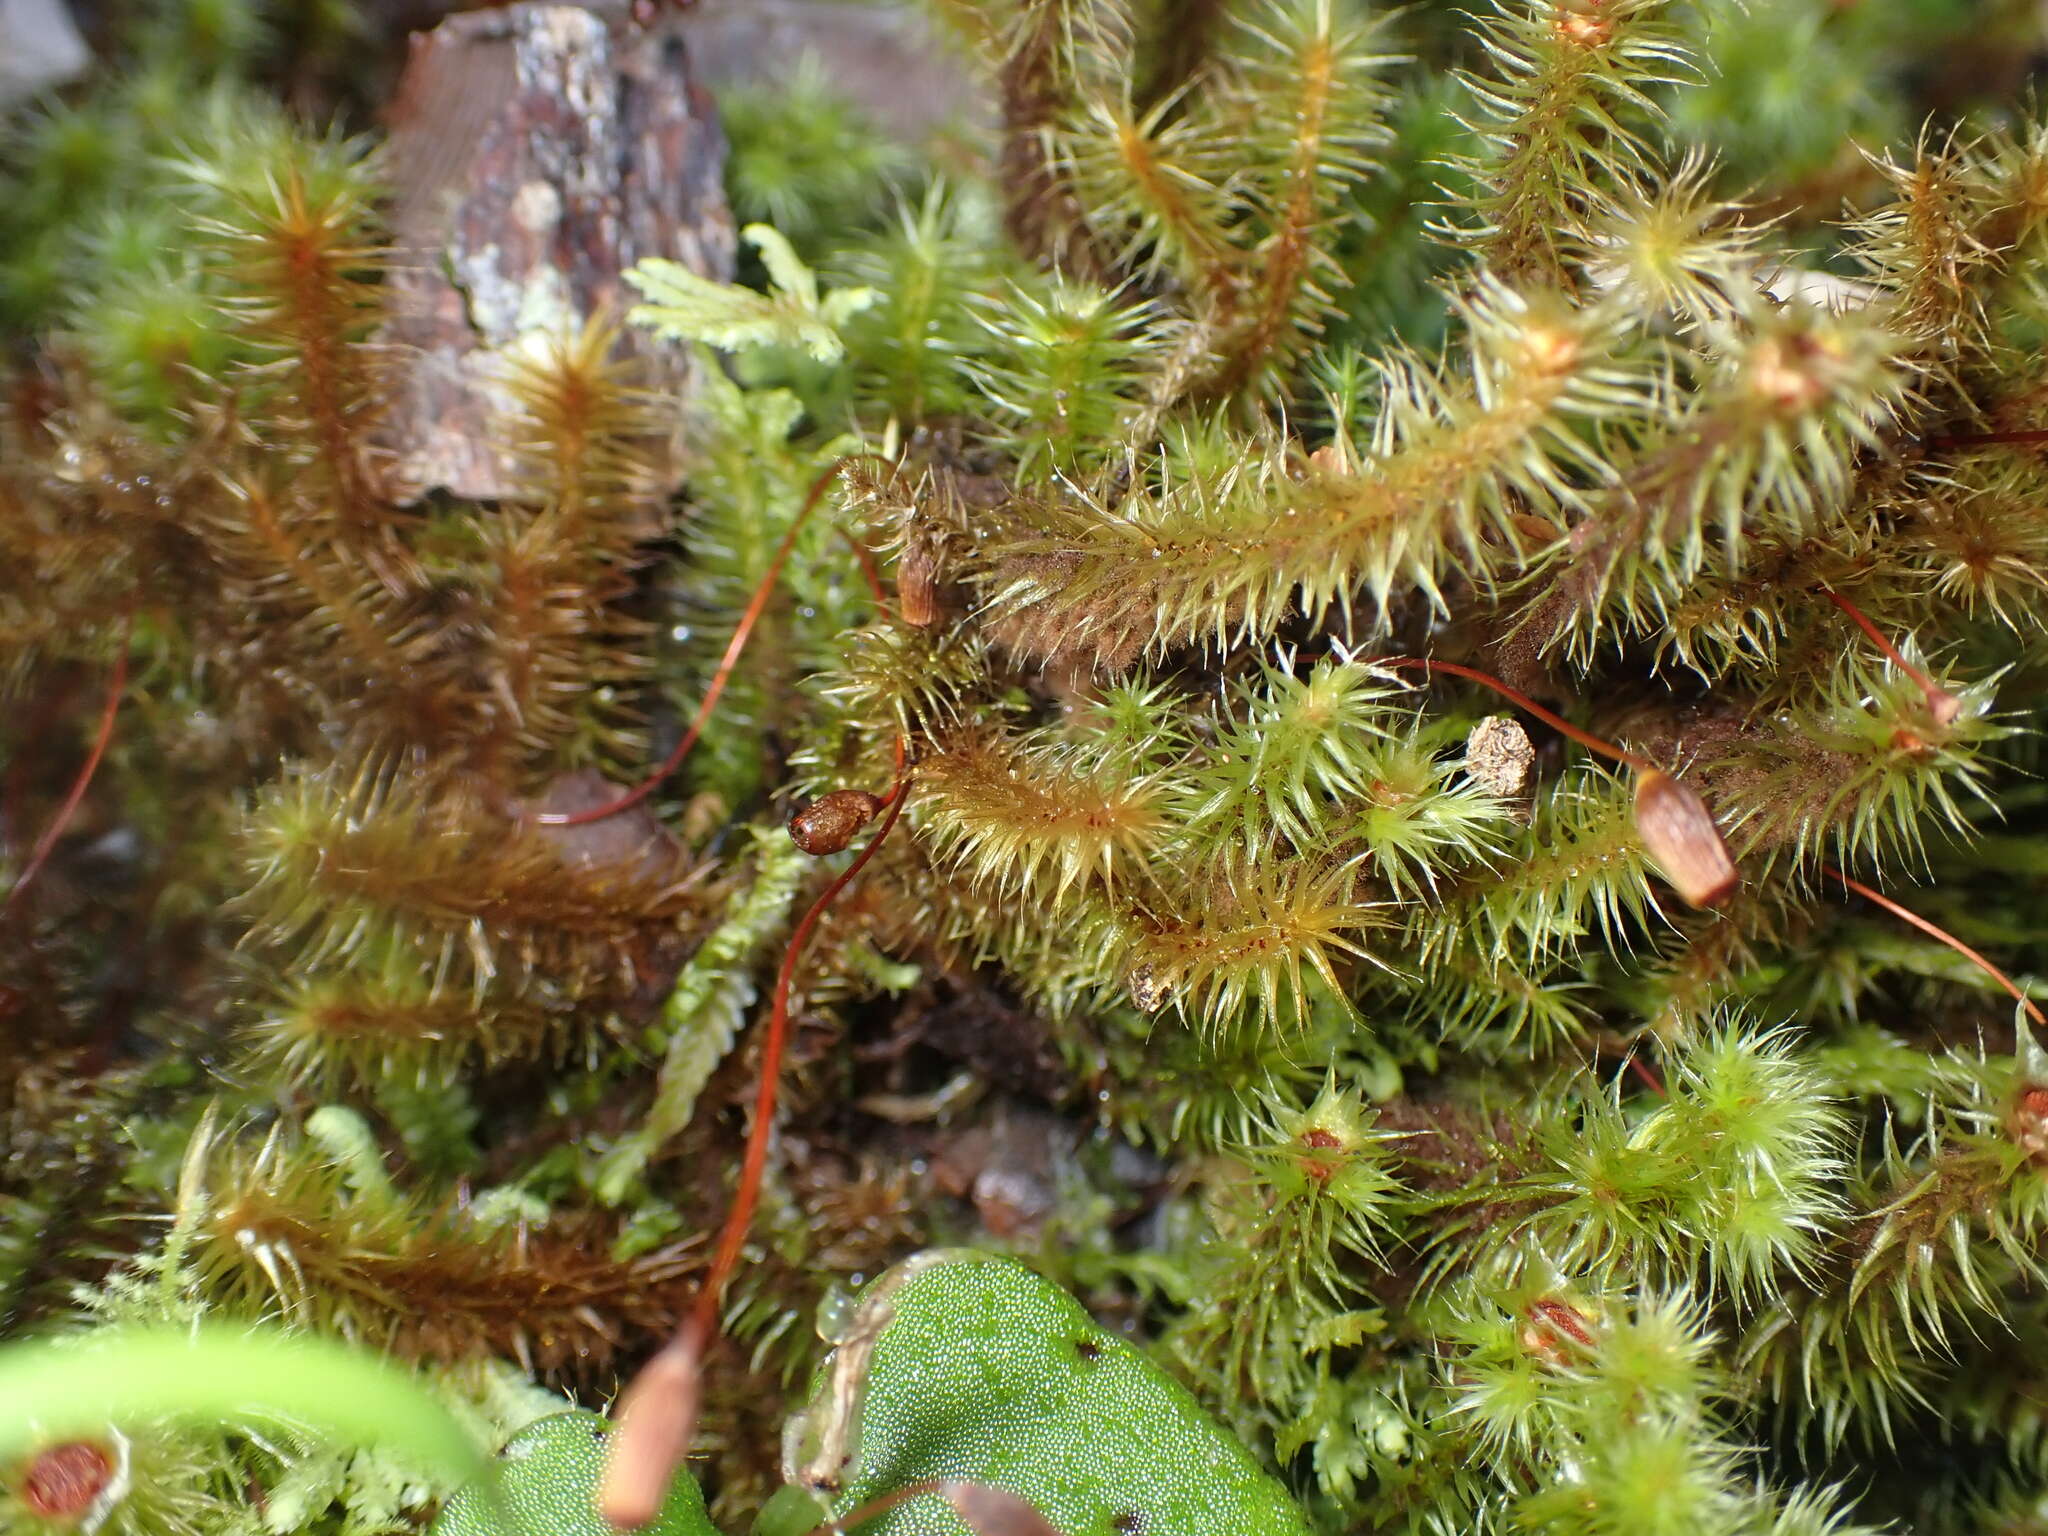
point(117, 684)
point(1521, 701)
point(742, 632)
point(1935, 931)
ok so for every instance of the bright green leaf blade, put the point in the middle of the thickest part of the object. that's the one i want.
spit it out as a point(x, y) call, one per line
point(65, 1388)
point(785, 268)
point(990, 1373)
point(549, 1474)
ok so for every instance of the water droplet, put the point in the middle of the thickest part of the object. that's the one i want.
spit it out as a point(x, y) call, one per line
point(836, 1309)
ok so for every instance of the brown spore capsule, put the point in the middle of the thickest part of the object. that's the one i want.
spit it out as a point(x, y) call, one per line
point(917, 585)
point(654, 1420)
point(1679, 832)
point(829, 822)
point(2028, 1122)
point(1554, 1327)
point(65, 1481)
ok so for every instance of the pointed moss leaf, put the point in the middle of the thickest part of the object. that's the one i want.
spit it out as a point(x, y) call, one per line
point(988, 1373)
point(549, 1473)
point(54, 1389)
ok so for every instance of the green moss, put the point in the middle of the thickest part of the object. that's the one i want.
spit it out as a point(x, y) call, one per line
point(1360, 1043)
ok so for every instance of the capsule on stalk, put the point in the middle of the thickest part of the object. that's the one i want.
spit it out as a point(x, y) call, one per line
point(1679, 832)
point(829, 822)
point(917, 585)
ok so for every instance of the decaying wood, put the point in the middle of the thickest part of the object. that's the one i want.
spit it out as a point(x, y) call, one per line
point(885, 58)
point(536, 151)
point(39, 47)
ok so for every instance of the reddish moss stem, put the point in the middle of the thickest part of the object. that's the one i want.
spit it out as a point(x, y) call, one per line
point(116, 685)
point(1985, 439)
point(657, 1413)
point(1941, 704)
point(876, 1507)
point(742, 632)
point(1934, 931)
point(747, 1195)
point(870, 573)
point(1286, 256)
point(1521, 701)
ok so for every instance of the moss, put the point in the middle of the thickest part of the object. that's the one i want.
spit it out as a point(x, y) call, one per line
point(1143, 507)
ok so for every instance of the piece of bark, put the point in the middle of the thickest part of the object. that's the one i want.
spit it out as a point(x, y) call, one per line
point(887, 59)
point(39, 47)
point(1500, 759)
point(536, 152)
point(636, 845)
point(632, 841)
